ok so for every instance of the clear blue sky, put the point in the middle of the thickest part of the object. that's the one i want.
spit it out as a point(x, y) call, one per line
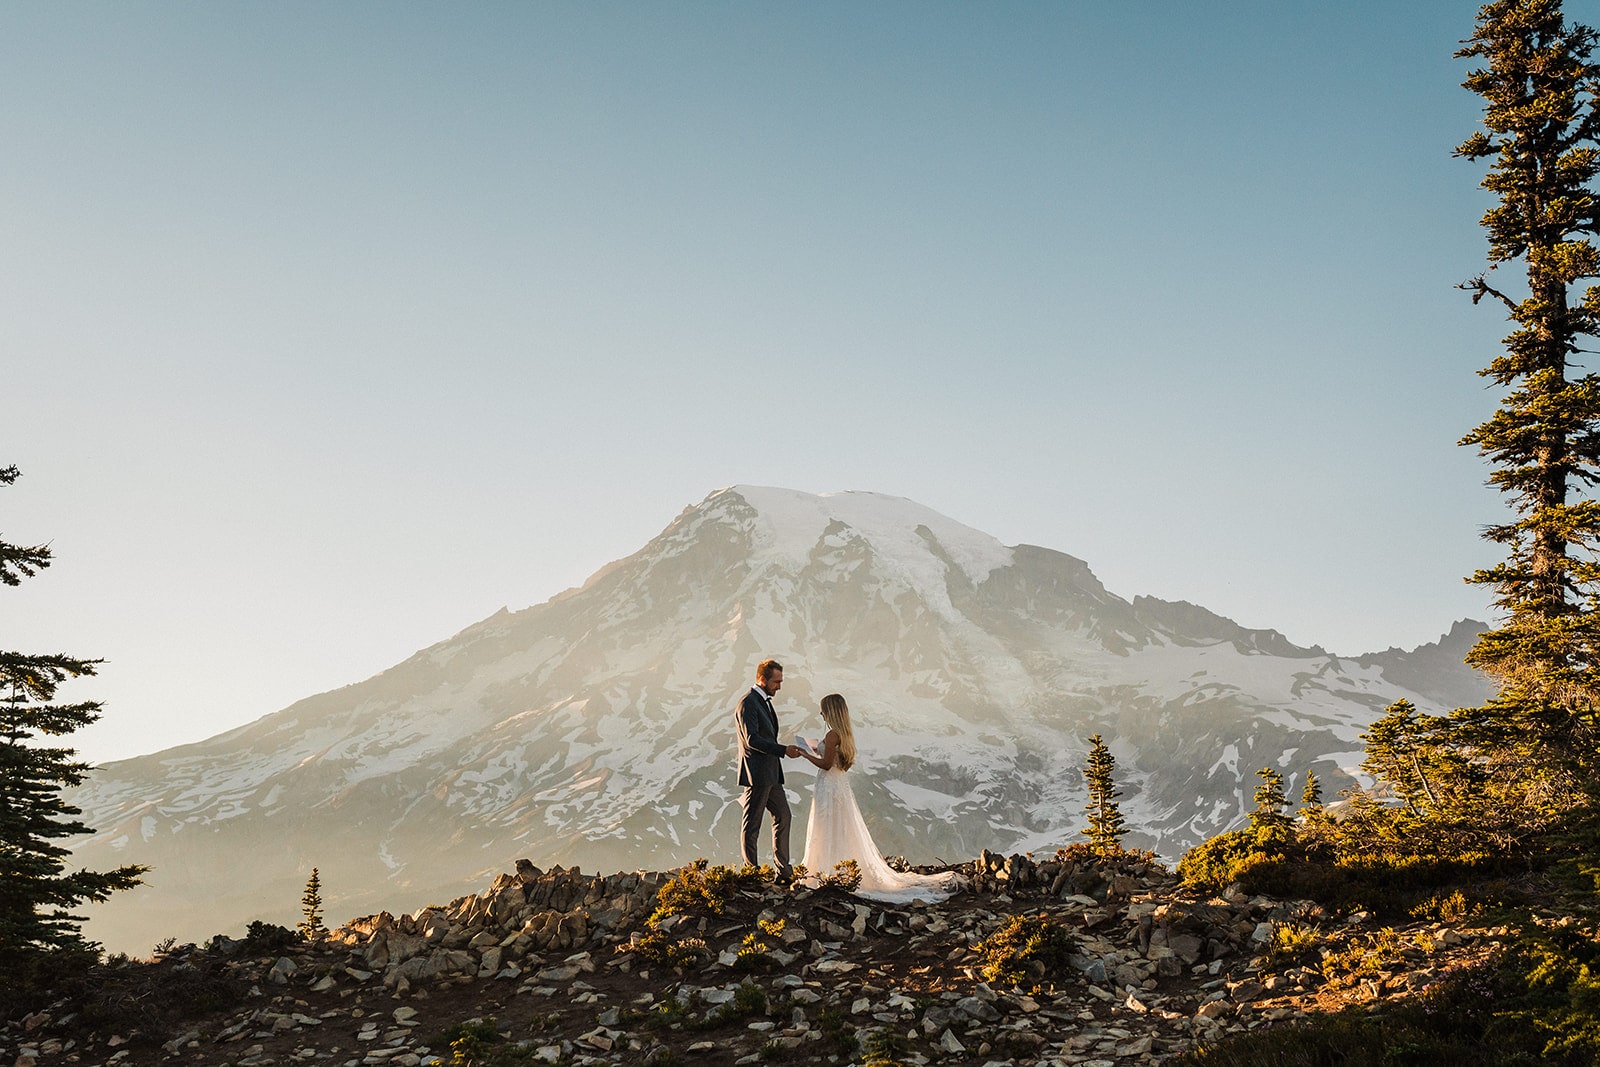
point(330, 329)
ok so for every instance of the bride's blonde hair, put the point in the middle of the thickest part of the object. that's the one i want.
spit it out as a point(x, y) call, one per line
point(836, 713)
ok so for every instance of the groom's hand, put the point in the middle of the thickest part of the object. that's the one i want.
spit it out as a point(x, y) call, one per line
point(793, 752)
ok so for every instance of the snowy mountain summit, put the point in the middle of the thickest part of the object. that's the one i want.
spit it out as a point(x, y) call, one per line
point(787, 528)
point(596, 728)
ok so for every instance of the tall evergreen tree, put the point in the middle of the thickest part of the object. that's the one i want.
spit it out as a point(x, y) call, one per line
point(36, 890)
point(1106, 827)
point(311, 927)
point(1540, 130)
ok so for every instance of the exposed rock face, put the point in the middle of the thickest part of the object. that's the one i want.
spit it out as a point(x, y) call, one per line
point(1437, 671)
point(555, 959)
point(596, 728)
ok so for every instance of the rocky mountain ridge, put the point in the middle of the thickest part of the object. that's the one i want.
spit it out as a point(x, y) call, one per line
point(559, 967)
point(595, 728)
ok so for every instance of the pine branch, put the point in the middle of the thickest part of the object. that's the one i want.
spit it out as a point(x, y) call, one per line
point(1479, 288)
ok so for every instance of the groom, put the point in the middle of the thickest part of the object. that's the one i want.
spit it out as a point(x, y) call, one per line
point(760, 771)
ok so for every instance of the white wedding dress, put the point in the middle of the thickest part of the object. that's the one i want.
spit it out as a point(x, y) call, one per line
point(836, 832)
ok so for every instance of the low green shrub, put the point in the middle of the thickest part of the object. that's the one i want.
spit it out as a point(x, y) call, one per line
point(884, 1048)
point(1560, 967)
point(478, 1043)
point(701, 888)
point(1536, 1003)
point(669, 950)
point(846, 876)
point(753, 952)
point(664, 1013)
point(1294, 942)
point(1227, 858)
point(268, 939)
point(157, 995)
point(32, 978)
point(1389, 884)
point(749, 1000)
point(1366, 957)
point(1451, 907)
point(838, 1036)
point(1344, 1040)
point(697, 888)
point(478, 1029)
point(1028, 951)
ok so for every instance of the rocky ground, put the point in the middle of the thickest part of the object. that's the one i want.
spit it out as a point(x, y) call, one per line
point(552, 967)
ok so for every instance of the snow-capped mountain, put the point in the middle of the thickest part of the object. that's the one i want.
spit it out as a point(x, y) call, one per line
point(596, 728)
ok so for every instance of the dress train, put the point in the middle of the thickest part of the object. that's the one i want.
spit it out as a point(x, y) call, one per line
point(835, 832)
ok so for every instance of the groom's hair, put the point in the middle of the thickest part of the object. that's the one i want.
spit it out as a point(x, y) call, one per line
point(767, 668)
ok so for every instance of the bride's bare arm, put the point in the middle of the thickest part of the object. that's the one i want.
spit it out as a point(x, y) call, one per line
point(830, 752)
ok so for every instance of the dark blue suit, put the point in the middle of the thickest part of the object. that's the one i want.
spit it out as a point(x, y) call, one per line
point(761, 774)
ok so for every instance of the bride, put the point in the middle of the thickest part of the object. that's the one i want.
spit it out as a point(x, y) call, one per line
point(836, 832)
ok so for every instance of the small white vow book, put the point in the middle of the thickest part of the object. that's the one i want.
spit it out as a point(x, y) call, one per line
point(813, 747)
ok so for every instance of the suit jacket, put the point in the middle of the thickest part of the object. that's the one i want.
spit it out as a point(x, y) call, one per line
point(760, 754)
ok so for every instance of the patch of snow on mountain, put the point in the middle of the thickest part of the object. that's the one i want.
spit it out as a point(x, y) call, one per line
point(925, 801)
point(1309, 693)
point(1173, 671)
point(792, 523)
point(1228, 759)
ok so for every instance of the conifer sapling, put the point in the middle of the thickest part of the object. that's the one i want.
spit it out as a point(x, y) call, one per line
point(311, 928)
point(1268, 821)
point(1311, 795)
point(1106, 827)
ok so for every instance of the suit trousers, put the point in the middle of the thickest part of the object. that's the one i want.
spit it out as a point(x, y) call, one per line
point(769, 798)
